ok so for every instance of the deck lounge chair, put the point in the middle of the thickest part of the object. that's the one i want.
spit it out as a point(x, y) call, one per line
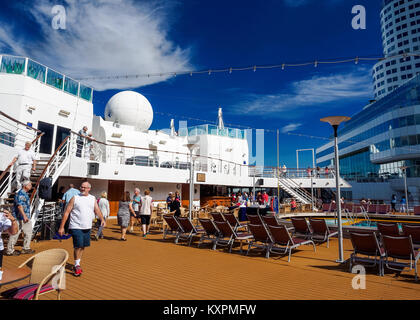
point(217, 216)
point(414, 232)
point(416, 210)
point(283, 242)
point(234, 222)
point(320, 231)
point(301, 227)
point(271, 221)
point(210, 231)
point(254, 218)
point(389, 229)
point(188, 229)
point(382, 208)
point(261, 238)
point(367, 244)
point(372, 208)
point(45, 266)
point(227, 236)
point(400, 248)
point(326, 207)
point(173, 228)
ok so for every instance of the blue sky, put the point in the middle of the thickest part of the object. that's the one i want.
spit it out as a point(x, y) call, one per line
point(121, 37)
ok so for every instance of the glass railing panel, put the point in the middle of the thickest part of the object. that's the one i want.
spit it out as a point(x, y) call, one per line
point(85, 92)
point(201, 129)
point(36, 71)
point(183, 132)
point(232, 133)
point(10, 64)
point(55, 79)
point(212, 130)
point(192, 131)
point(71, 86)
point(223, 132)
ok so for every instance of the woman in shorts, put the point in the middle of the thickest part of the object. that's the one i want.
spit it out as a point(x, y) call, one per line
point(145, 211)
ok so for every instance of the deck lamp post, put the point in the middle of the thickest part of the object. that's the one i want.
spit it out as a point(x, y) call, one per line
point(335, 121)
point(191, 147)
point(404, 170)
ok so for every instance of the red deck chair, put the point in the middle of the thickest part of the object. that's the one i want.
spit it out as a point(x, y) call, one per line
point(234, 222)
point(320, 231)
point(283, 243)
point(270, 221)
point(388, 229)
point(326, 207)
point(372, 208)
point(301, 227)
point(261, 238)
point(400, 248)
point(383, 208)
point(416, 210)
point(210, 231)
point(414, 232)
point(217, 216)
point(227, 236)
point(254, 218)
point(348, 207)
point(173, 226)
point(188, 229)
point(367, 244)
point(333, 207)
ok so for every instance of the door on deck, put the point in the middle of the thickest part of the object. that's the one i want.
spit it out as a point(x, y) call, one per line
point(115, 192)
point(185, 195)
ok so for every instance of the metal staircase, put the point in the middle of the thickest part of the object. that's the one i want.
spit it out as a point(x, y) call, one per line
point(292, 188)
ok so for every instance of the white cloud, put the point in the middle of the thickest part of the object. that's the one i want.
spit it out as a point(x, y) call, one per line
point(290, 127)
point(104, 37)
point(315, 91)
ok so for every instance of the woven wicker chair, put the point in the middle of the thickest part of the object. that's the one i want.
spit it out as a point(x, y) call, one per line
point(46, 266)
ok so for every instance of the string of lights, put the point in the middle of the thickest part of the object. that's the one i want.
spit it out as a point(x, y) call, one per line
point(283, 66)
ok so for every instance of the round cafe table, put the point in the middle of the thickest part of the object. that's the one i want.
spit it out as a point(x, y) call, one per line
point(14, 275)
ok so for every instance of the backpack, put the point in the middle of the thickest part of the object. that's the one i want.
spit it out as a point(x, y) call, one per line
point(45, 189)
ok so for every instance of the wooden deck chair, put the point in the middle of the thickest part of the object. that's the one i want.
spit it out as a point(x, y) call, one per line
point(367, 244)
point(261, 238)
point(400, 248)
point(210, 231)
point(188, 229)
point(320, 231)
point(47, 275)
point(283, 243)
point(173, 226)
point(227, 236)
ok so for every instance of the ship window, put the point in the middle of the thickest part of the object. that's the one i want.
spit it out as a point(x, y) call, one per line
point(12, 65)
point(71, 86)
point(55, 79)
point(85, 92)
point(36, 71)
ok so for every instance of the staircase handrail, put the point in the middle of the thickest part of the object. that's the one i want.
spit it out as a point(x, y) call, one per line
point(42, 175)
point(19, 122)
point(307, 194)
point(297, 189)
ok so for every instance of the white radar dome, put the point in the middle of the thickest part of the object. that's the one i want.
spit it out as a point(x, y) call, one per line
point(130, 108)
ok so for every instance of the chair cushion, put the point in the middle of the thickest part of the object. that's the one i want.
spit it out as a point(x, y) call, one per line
point(25, 292)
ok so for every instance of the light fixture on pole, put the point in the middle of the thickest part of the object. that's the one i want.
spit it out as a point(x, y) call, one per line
point(335, 121)
point(191, 147)
point(404, 170)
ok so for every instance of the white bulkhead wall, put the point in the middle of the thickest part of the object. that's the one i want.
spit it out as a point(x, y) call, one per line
point(29, 100)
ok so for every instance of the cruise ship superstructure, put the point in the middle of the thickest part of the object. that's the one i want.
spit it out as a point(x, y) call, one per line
point(42, 105)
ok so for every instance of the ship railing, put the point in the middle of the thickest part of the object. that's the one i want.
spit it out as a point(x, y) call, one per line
point(291, 173)
point(15, 134)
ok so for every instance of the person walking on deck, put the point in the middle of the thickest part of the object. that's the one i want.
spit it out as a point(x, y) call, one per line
point(146, 210)
point(26, 161)
point(81, 211)
point(125, 210)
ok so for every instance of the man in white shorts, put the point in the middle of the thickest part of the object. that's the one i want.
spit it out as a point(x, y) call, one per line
point(81, 209)
point(26, 161)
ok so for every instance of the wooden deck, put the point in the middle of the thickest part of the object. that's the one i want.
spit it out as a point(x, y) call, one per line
point(153, 269)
